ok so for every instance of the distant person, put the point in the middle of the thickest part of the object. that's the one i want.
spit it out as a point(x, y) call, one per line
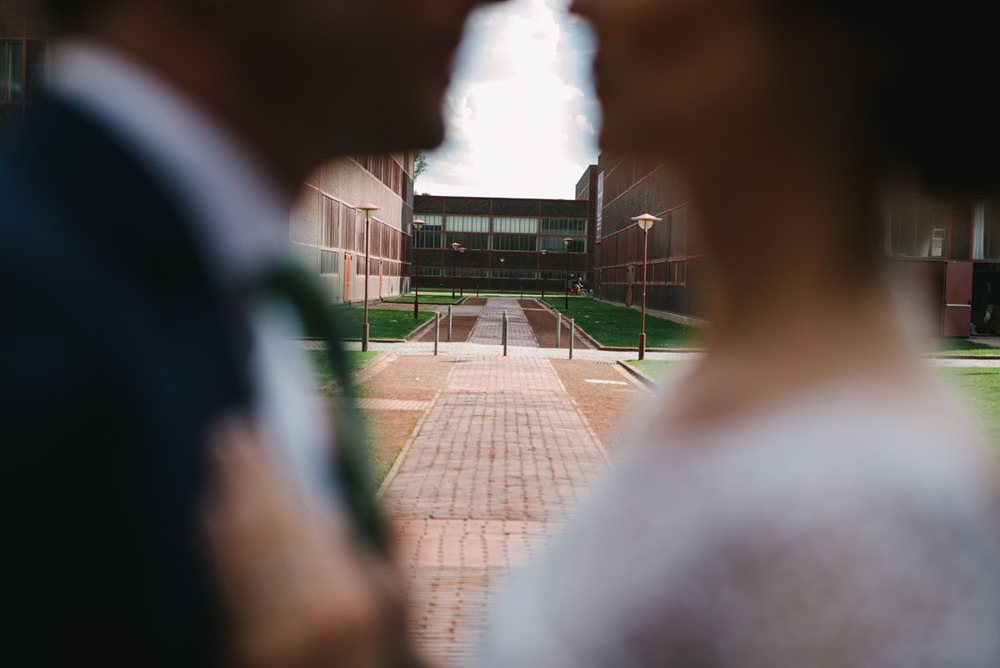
point(806, 494)
point(141, 207)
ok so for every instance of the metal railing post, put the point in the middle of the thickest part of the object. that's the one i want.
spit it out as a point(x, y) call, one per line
point(559, 331)
point(437, 333)
point(572, 336)
point(505, 333)
point(449, 323)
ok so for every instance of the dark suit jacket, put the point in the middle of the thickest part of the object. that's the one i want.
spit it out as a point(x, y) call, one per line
point(116, 354)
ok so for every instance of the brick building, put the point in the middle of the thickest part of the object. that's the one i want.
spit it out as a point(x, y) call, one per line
point(509, 244)
point(328, 232)
point(950, 248)
point(325, 228)
point(677, 280)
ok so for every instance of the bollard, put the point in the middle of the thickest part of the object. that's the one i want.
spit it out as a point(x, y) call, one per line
point(559, 332)
point(504, 335)
point(449, 324)
point(572, 336)
point(437, 332)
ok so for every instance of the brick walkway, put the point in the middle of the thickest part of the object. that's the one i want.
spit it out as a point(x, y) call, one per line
point(499, 461)
point(489, 327)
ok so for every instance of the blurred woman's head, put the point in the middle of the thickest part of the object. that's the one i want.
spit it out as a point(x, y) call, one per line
point(881, 85)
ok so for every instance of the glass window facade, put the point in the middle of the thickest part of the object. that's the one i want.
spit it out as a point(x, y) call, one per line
point(916, 228)
point(515, 242)
point(564, 226)
point(467, 224)
point(508, 225)
point(470, 240)
point(556, 245)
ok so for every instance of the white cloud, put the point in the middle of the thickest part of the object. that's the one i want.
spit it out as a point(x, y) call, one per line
point(521, 113)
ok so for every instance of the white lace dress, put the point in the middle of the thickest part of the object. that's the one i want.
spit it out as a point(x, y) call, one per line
point(846, 528)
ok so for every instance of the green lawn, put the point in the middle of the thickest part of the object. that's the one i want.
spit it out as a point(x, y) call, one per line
point(431, 299)
point(384, 324)
point(980, 393)
point(318, 362)
point(618, 327)
point(654, 368)
point(962, 347)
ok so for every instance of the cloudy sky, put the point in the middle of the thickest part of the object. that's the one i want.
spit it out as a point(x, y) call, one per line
point(522, 116)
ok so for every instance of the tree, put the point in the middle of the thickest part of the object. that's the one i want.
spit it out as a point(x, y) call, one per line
point(419, 164)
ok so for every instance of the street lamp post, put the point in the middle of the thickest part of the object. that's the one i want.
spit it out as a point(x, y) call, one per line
point(461, 283)
point(502, 260)
point(541, 279)
point(417, 225)
point(566, 243)
point(366, 210)
point(454, 266)
point(645, 222)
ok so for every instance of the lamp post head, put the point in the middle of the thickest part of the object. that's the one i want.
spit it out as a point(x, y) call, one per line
point(646, 221)
point(543, 252)
point(455, 246)
point(417, 224)
point(502, 260)
point(461, 249)
point(368, 209)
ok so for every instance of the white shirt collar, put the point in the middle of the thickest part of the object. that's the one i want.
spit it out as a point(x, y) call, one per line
point(238, 212)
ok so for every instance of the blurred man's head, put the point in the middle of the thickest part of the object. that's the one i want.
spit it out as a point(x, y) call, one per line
point(303, 80)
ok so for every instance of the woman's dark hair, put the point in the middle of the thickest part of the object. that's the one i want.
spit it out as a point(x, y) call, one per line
point(921, 71)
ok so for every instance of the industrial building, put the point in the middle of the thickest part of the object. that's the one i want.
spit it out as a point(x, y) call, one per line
point(500, 244)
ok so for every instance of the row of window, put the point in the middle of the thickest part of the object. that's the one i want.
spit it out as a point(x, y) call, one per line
point(502, 242)
point(667, 239)
point(344, 227)
point(22, 70)
point(505, 225)
point(916, 228)
point(332, 264)
point(479, 272)
point(659, 273)
point(385, 168)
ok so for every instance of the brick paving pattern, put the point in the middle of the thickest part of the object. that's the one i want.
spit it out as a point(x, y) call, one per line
point(393, 405)
point(489, 327)
point(500, 461)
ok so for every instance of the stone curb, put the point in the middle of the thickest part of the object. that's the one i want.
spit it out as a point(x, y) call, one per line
point(638, 375)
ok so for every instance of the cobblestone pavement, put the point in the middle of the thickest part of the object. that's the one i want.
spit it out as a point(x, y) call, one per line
point(489, 327)
point(499, 461)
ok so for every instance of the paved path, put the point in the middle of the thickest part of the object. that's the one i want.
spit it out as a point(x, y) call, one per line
point(489, 326)
point(501, 458)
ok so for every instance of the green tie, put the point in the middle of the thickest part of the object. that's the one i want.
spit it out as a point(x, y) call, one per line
point(290, 281)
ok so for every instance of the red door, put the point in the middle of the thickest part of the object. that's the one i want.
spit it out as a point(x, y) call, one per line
point(958, 298)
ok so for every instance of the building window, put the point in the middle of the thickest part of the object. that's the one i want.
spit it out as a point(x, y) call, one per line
point(11, 71)
point(329, 263)
point(471, 241)
point(556, 245)
point(467, 224)
point(385, 168)
point(916, 228)
point(515, 242)
point(986, 230)
point(565, 226)
point(506, 225)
